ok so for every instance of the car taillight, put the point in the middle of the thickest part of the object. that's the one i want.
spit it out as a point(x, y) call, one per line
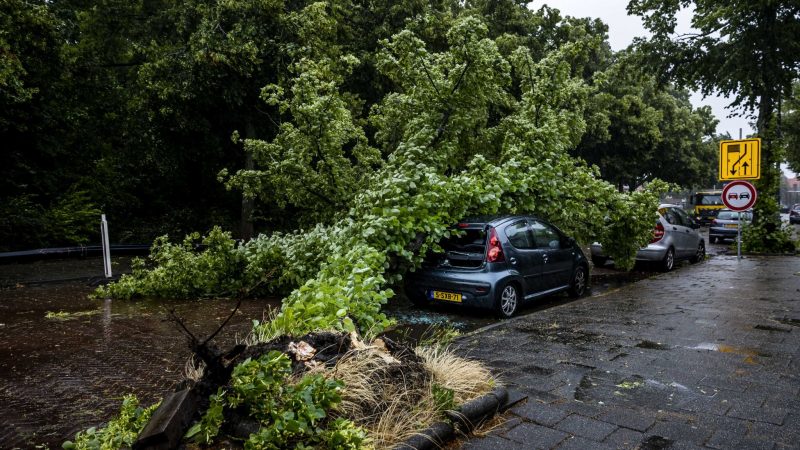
point(495, 253)
point(658, 233)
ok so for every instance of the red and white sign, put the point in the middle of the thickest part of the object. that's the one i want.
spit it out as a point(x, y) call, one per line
point(739, 195)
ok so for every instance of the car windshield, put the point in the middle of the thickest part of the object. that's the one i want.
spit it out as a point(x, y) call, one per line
point(732, 215)
point(709, 199)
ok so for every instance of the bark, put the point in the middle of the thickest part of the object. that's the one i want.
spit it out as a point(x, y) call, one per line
point(248, 204)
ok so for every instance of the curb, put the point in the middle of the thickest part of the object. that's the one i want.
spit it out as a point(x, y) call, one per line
point(462, 420)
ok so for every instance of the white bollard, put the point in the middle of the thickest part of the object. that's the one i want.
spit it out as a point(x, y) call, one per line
point(106, 248)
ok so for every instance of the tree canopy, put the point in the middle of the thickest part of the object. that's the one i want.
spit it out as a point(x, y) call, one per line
point(745, 49)
point(463, 129)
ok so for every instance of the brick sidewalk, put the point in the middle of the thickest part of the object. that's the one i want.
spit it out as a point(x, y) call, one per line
point(707, 356)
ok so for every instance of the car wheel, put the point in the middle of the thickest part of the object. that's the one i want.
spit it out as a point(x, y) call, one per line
point(507, 301)
point(669, 260)
point(419, 300)
point(580, 280)
point(701, 253)
point(599, 261)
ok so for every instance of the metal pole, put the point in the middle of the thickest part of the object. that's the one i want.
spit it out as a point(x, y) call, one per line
point(106, 249)
point(739, 237)
point(740, 134)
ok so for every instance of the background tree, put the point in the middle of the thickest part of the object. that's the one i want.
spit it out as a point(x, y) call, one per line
point(744, 49)
point(791, 127)
point(640, 130)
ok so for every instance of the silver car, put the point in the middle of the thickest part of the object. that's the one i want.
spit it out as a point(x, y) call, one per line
point(675, 237)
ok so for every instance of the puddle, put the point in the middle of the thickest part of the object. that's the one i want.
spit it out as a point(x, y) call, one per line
point(772, 328)
point(652, 345)
point(655, 443)
point(66, 359)
point(749, 353)
point(789, 321)
point(672, 385)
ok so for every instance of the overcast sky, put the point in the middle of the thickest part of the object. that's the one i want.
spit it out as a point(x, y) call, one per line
point(622, 28)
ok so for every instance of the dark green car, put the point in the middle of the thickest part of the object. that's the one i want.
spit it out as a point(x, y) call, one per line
point(500, 262)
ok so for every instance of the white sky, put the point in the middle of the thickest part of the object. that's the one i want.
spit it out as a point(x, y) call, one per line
point(622, 28)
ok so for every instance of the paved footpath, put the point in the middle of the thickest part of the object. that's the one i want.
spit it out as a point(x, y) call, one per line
point(707, 356)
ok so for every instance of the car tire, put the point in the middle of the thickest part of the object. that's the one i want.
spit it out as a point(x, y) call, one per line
point(579, 281)
point(419, 300)
point(668, 263)
point(700, 255)
point(599, 261)
point(507, 301)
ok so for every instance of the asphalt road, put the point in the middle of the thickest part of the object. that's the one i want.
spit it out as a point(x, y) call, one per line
point(706, 356)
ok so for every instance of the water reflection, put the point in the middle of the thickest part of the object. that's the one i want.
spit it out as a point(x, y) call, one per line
point(67, 372)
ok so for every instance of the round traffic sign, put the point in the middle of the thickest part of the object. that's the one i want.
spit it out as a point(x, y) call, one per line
point(739, 195)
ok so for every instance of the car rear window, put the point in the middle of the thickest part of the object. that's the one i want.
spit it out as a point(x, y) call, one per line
point(468, 249)
point(733, 215)
point(728, 215)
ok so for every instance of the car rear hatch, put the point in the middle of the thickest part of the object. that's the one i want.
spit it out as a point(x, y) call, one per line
point(465, 250)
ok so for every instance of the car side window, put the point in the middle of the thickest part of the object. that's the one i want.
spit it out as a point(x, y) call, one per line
point(545, 236)
point(518, 235)
point(671, 217)
point(683, 217)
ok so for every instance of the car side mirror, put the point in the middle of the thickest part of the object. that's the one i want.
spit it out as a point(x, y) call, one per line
point(695, 224)
point(568, 242)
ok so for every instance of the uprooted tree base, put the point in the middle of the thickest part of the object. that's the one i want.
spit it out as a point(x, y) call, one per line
point(403, 370)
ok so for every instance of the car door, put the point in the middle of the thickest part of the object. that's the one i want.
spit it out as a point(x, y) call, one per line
point(523, 255)
point(556, 256)
point(690, 233)
point(685, 242)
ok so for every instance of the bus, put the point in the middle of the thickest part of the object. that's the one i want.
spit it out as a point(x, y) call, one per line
point(704, 205)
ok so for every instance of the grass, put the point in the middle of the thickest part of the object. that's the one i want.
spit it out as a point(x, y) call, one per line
point(193, 369)
point(467, 379)
point(394, 400)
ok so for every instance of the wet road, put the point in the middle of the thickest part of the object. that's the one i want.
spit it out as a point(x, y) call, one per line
point(66, 372)
point(66, 360)
point(703, 357)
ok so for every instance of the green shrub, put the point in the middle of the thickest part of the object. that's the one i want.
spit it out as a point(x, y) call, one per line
point(291, 415)
point(121, 431)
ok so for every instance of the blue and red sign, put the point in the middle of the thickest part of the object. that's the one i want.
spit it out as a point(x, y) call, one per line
point(739, 195)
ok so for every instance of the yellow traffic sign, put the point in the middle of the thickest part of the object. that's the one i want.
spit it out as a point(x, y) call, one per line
point(740, 160)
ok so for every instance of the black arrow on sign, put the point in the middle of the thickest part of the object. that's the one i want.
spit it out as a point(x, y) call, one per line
point(745, 166)
point(741, 157)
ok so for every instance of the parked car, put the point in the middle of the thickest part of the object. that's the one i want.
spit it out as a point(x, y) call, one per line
point(675, 237)
point(726, 225)
point(794, 214)
point(500, 262)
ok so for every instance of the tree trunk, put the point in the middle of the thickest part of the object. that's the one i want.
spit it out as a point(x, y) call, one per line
point(765, 210)
point(248, 204)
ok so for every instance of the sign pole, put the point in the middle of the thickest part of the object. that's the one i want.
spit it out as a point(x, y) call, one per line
point(106, 247)
point(739, 237)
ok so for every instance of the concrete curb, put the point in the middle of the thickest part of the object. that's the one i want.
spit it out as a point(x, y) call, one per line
point(462, 420)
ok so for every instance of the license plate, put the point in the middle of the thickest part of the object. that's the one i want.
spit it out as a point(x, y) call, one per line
point(730, 225)
point(447, 296)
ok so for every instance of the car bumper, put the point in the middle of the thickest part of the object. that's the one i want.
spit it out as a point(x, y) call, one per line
point(477, 289)
point(722, 232)
point(653, 252)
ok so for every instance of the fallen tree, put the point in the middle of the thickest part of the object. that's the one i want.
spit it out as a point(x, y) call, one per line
point(452, 154)
point(468, 131)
